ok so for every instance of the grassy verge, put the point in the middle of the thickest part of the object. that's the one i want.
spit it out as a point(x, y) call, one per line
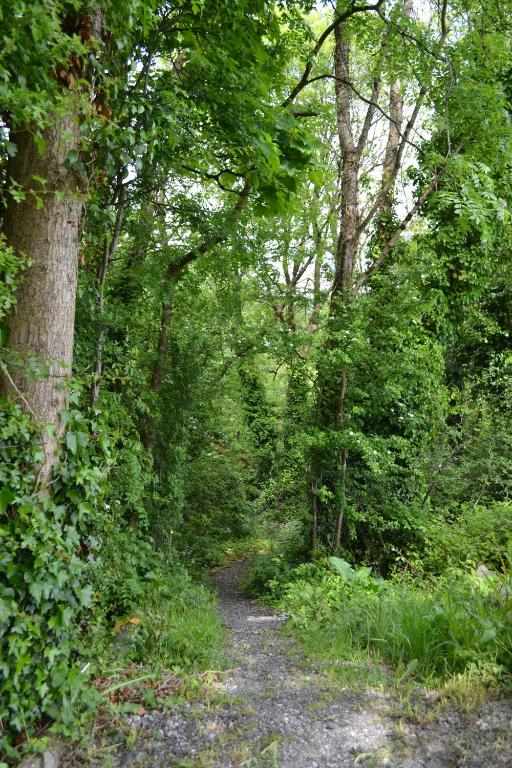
point(453, 633)
point(162, 651)
point(176, 625)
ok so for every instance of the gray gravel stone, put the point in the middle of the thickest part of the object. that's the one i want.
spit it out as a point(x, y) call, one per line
point(52, 757)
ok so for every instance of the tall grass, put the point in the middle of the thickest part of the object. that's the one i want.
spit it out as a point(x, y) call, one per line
point(434, 630)
point(176, 624)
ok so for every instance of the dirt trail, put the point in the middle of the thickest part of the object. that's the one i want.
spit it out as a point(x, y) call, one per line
point(278, 713)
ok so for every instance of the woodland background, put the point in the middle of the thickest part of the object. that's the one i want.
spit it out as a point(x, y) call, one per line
point(256, 297)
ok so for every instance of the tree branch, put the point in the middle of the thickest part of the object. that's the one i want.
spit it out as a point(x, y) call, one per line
point(372, 107)
point(174, 269)
point(390, 180)
point(371, 102)
point(398, 231)
point(303, 82)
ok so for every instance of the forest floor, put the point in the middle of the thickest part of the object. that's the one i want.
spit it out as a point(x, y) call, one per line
point(275, 709)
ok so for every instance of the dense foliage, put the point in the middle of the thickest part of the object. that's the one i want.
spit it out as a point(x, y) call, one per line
point(291, 322)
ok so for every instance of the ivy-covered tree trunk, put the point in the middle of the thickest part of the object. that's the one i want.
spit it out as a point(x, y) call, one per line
point(44, 227)
point(331, 464)
point(45, 199)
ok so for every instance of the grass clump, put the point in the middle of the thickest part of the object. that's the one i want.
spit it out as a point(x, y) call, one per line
point(179, 625)
point(432, 631)
point(150, 610)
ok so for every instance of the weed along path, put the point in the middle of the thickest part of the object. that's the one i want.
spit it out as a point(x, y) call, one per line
point(272, 709)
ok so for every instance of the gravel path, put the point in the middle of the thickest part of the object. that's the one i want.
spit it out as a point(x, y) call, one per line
point(279, 714)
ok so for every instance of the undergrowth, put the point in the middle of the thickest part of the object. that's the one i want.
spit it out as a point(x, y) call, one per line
point(82, 591)
point(453, 631)
point(173, 622)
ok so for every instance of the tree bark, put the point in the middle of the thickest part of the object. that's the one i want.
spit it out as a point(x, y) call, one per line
point(391, 162)
point(348, 237)
point(108, 254)
point(41, 326)
point(392, 144)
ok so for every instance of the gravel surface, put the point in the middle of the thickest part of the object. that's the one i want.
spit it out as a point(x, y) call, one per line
point(280, 714)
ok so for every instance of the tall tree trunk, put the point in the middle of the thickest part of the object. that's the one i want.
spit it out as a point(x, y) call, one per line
point(44, 227)
point(41, 326)
point(332, 385)
point(348, 237)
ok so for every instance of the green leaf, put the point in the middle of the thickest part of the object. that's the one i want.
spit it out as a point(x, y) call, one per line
point(36, 590)
point(409, 670)
point(72, 157)
point(82, 438)
point(341, 566)
point(71, 442)
point(285, 121)
point(49, 429)
point(85, 596)
point(317, 177)
point(40, 144)
point(150, 576)
point(6, 496)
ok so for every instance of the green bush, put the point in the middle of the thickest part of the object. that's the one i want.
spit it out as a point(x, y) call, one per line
point(269, 571)
point(264, 572)
point(146, 608)
point(433, 630)
point(179, 626)
point(217, 506)
point(123, 564)
point(476, 535)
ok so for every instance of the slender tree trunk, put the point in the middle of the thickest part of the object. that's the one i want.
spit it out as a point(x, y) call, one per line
point(348, 237)
point(109, 251)
point(333, 383)
point(317, 278)
point(155, 384)
point(393, 142)
point(41, 326)
point(343, 463)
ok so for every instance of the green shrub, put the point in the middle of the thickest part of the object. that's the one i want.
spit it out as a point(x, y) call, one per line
point(263, 573)
point(478, 534)
point(123, 564)
point(433, 630)
point(268, 571)
point(217, 506)
point(179, 626)
point(146, 608)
